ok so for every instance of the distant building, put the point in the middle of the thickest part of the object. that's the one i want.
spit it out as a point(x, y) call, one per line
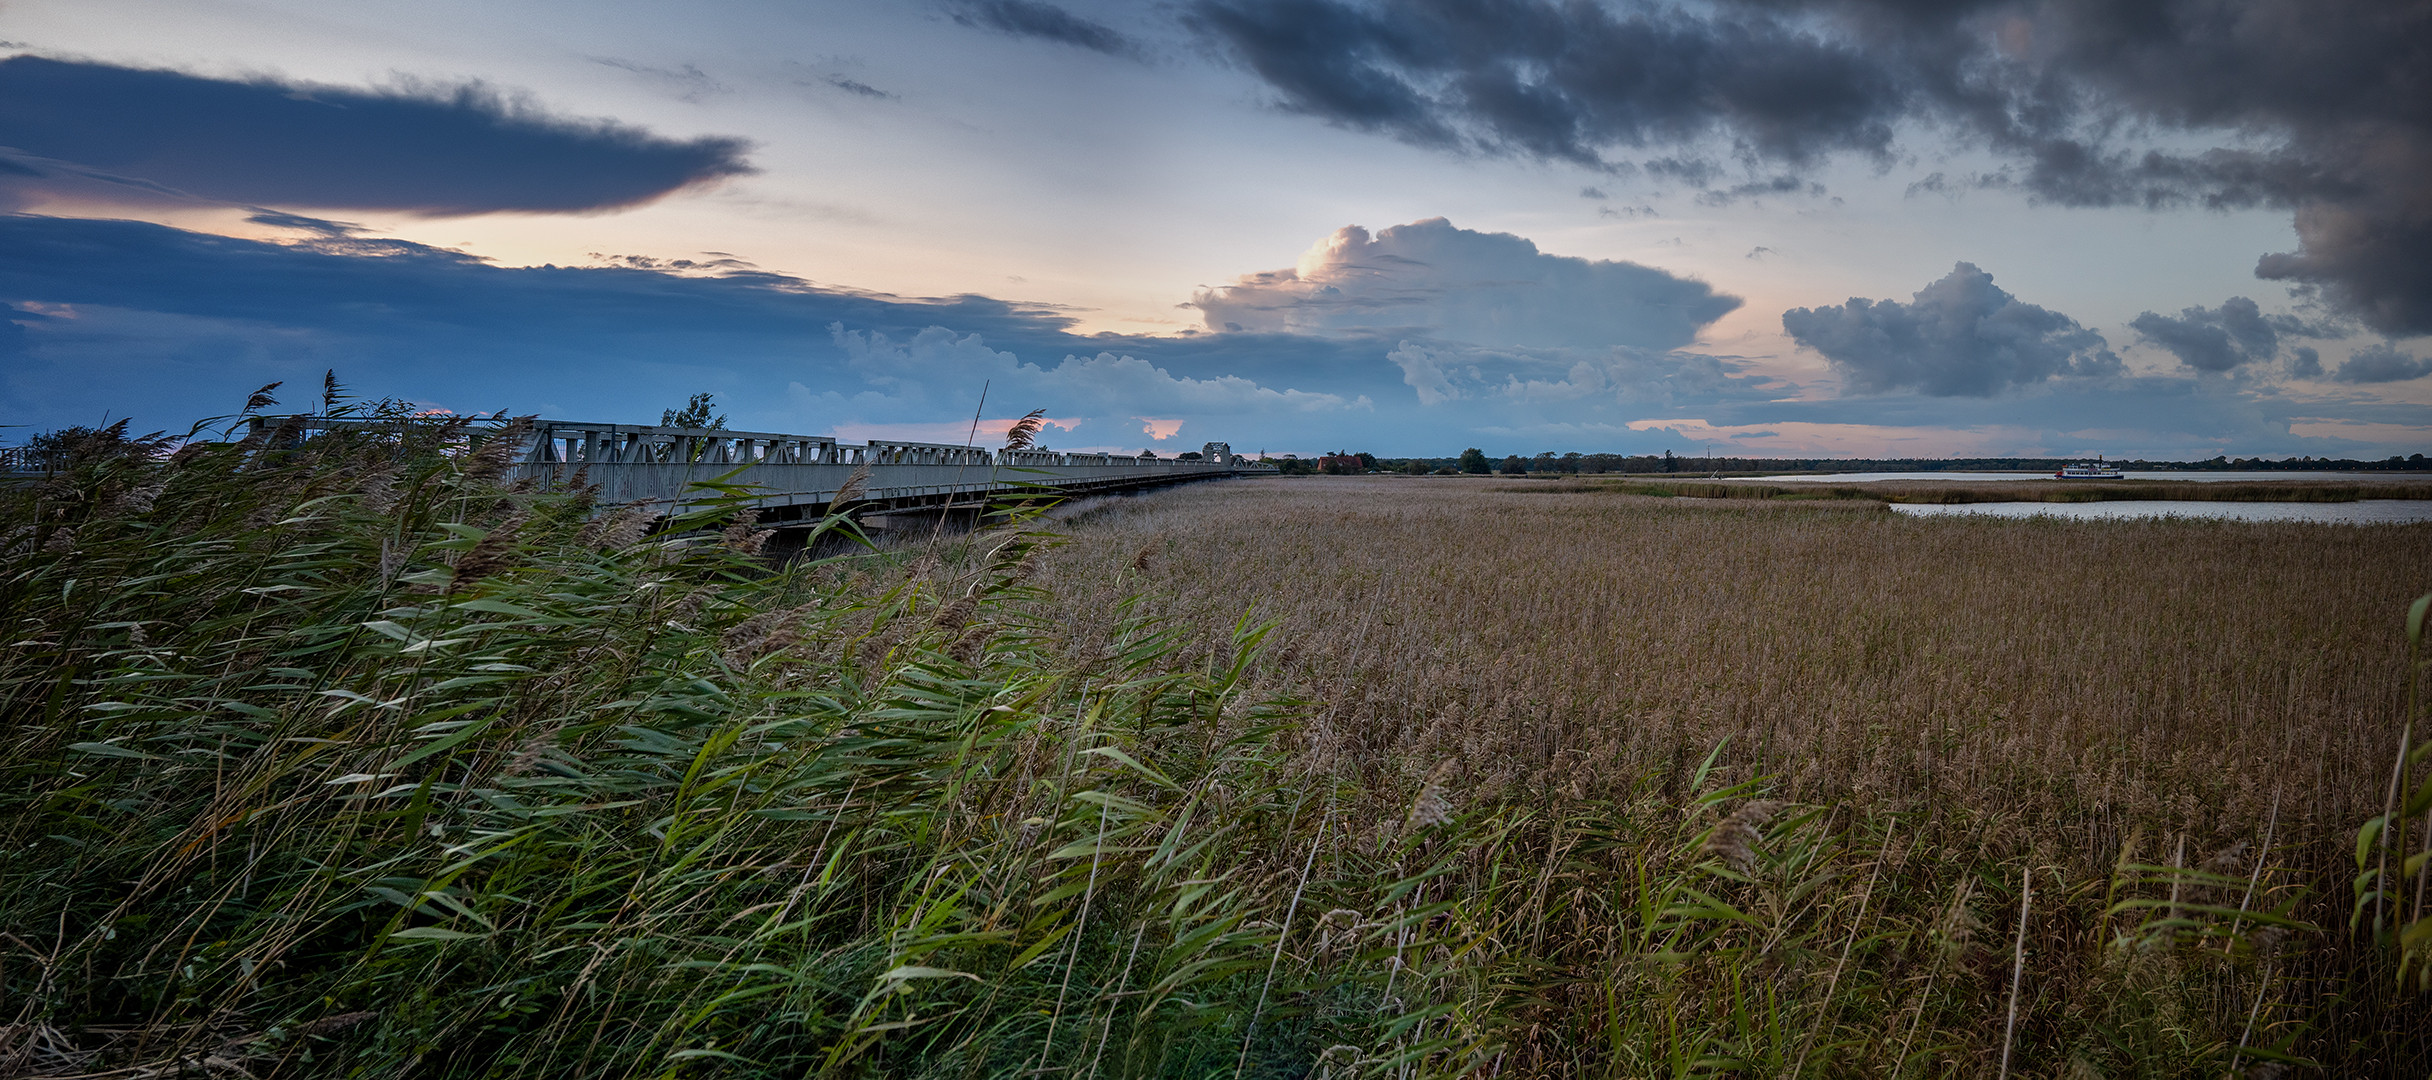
point(1220, 453)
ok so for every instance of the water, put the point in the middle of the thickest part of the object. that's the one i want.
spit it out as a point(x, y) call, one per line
point(2195, 477)
point(2360, 512)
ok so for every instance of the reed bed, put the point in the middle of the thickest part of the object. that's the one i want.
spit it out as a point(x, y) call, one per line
point(2076, 697)
point(342, 759)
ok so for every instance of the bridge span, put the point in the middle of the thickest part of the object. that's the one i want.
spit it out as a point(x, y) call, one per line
point(798, 477)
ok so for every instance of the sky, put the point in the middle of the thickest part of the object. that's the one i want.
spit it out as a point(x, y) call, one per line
point(2166, 229)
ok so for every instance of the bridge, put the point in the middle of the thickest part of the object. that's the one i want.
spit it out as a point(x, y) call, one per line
point(797, 478)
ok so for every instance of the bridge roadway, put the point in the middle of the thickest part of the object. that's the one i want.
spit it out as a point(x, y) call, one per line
point(797, 477)
point(801, 475)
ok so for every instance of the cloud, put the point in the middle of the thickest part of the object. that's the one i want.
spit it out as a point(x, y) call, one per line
point(1960, 336)
point(126, 317)
point(1047, 22)
point(130, 136)
point(1780, 184)
point(2226, 338)
point(855, 86)
point(914, 368)
point(1432, 279)
point(2314, 106)
point(169, 325)
point(1571, 380)
point(2380, 364)
point(686, 83)
point(2304, 363)
point(1561, 81)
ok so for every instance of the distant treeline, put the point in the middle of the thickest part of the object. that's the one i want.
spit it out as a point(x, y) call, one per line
point(1475, 461)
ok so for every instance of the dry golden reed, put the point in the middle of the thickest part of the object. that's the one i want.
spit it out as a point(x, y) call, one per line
point(2086, 675)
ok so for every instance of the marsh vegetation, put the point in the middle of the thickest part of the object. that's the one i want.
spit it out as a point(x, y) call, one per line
point(345, 760)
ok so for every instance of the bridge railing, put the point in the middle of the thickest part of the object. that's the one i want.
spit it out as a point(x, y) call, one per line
point(578, 443)
point(27, 459)
point(566, 442)
point(911, 453)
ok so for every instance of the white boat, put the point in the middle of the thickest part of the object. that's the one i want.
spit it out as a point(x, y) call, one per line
point(2098, 469)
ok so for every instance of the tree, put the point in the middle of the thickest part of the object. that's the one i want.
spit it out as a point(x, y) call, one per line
point(1515, 465)
point(1671, 464)
point(1473, 461)
point(695, 414)
point(1545, 462)
point(1570, 462)
point(70, 446)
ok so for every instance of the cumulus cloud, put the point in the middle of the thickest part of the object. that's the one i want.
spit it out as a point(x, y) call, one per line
point(1960, 336)
point(2225, 338)
point(1445, 372)
point(937, 361)
point(1047, 22)
point(129, 136)
point(2304, 362)
point(1432, 279)
point(2380, 364)
point(2315, 106)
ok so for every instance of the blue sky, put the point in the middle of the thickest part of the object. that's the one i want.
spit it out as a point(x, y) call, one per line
point(1773, 227)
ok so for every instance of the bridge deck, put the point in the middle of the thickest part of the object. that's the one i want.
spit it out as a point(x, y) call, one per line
point(801, 475)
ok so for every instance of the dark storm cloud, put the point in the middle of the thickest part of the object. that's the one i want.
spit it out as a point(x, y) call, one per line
point(1563, 81)
point(122, 135)
point(334, 285)
point(1960, 336)
point(2322, 107)
point(2380, 364)
point(1031, 18)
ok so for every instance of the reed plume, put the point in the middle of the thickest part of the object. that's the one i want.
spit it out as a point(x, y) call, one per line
point(1025, 431)
point(850, 490)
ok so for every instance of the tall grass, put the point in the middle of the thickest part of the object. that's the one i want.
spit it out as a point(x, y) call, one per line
point(2135, 710)
point(344, 760)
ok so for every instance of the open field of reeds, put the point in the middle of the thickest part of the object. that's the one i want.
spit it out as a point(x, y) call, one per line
point(346, 760)
point(1965, 697)
point(2175, 674)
